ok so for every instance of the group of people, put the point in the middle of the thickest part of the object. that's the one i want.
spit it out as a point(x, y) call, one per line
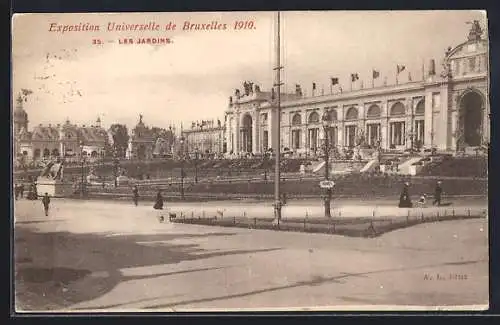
point(158, 201)
point(19, 192)
point(405, 200)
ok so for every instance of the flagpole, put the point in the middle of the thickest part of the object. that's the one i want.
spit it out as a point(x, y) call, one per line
point(373, 79)
point(423, 70)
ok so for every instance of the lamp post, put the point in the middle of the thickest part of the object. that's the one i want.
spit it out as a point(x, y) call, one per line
point(196, 153)
point(411, 135)
point(182, 167)
point(82, 161)
point(115, 167)
point(326, 147)
point(264, 164)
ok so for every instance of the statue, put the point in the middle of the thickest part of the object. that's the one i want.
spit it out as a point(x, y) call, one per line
point(237, 93)
point(230, 100)
point(140, 118)
point(257, 89)
point(53, 171)
point(218, 123)
point(446, 73)
point(476, 31)
point(246, 87)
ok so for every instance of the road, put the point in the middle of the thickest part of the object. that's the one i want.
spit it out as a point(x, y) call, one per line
point(310, 208)
point(105, 256)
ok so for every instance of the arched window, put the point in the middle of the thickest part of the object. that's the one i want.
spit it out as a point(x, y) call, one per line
point(313, 118)
point(420, 109)
point(331, 115)
point(46, 152)
point(373, 111)
point(397, 109)
point(352, 114)
point(93, 154)
point(296, 119)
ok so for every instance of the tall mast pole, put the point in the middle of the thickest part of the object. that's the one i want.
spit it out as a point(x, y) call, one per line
point(277, 129)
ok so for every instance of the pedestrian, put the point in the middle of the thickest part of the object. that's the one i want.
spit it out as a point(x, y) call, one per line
point(283, 200)
point(46, 202)
point(404, 198)
point(159, 205)
point(16, 191)
point(437, 194)
point(422, 201)
point(21, 190)
point(135, 195)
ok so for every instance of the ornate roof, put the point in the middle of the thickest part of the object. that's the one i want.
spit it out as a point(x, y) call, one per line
point(45, 133)
point(93, 134)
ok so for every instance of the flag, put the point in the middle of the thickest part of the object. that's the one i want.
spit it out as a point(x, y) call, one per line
point(400, 68)
point(354, 77)
point(314, 86)
point(334, 81)
point(375, 74)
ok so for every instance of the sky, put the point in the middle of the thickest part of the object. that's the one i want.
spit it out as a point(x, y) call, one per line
point(192, 78)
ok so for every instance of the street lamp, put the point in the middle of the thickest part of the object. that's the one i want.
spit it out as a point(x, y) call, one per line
point(328, 197)
point(115, 167)
point(82, 161)
point(182, 167)
point(264, 164)
point(196, 153)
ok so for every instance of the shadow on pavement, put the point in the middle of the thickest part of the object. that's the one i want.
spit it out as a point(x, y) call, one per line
point(315, 281)
point(69, 268)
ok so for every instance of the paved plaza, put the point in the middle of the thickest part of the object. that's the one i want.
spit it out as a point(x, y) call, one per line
point(111, 255)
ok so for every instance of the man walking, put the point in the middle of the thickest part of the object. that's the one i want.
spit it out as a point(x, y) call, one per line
point(21, 190)
point(437, 194)
point(46, 202)
point(135, 195)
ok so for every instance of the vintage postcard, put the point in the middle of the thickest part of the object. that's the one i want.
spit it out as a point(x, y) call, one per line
point(250, 161)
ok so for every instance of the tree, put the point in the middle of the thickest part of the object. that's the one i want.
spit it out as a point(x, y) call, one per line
point(119, 133)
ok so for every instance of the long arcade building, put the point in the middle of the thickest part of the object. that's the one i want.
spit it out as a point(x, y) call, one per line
point(447, 111)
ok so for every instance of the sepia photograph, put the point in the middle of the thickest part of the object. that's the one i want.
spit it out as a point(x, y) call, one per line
point(250, 161)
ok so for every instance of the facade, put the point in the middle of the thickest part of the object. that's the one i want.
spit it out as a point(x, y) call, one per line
point(57, 141)
point(141, 144)
point(150, 142)
point(447, 111)
point(205, 137)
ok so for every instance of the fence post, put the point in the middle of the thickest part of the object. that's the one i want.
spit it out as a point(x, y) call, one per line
point(423, 216)
point(192, 214)
point(203, 213)
point(408, 217)
point(255, 222)
point(468, 212)
point(437, 215)
point(234, 220)
point(304, 224)
point(453, 212)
